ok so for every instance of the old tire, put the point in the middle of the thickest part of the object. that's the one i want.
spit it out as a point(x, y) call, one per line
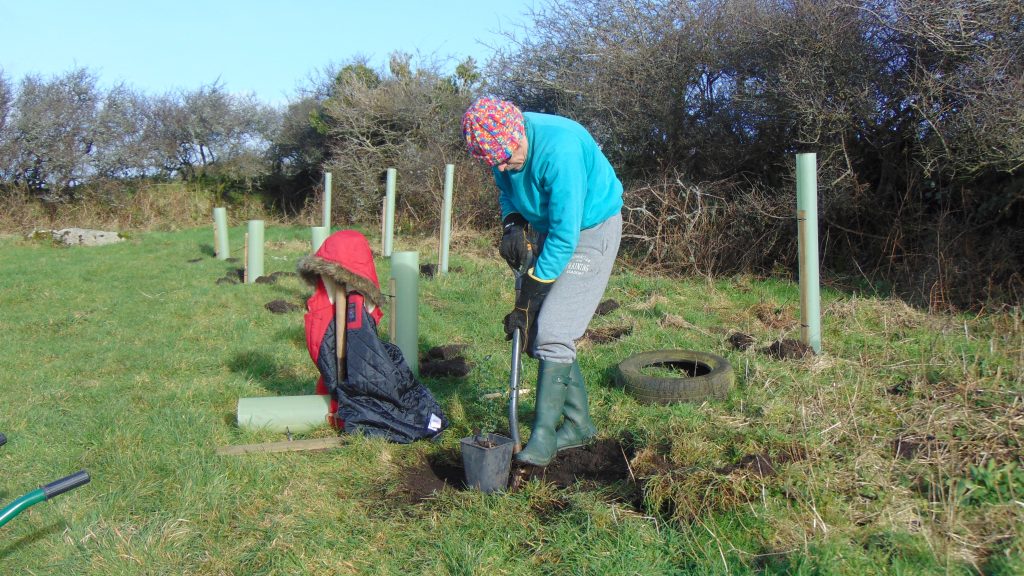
point(712, 379)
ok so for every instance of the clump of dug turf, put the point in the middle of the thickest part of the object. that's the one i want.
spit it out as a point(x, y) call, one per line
point(741, 341)
point(774, 317)
point(607, 334)
point(232, 276)
point(759, 464)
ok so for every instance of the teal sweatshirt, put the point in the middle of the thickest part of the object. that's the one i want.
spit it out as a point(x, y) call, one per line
point(565, 186)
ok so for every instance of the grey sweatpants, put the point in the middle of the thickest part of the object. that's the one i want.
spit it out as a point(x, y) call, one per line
point(568, 308)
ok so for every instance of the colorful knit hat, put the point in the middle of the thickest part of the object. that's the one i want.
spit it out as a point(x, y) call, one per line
point(492, 128)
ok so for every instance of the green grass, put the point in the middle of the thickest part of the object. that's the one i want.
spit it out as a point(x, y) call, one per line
point(128, 361)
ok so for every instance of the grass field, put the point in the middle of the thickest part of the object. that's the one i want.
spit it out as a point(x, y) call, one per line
point(896, 451)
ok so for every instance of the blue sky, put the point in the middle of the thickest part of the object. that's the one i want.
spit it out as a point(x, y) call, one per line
point(265, 47)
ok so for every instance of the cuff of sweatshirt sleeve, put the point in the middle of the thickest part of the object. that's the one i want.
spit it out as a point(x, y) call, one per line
point(541, 280)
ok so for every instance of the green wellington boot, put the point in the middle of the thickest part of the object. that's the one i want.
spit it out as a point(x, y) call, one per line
point(552, 385)
point(578, 428)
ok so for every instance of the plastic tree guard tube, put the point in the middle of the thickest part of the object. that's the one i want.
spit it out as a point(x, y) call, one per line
point(446, 218)
point(254, 258)
point(807, 243)
point(405, 269)
point(220, 233)
point(283, 413)
point(327, 201)
point(319, 234)
point(389, 213)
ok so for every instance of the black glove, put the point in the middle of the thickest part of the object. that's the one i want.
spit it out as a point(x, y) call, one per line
point(528, 303)
point(516, 240)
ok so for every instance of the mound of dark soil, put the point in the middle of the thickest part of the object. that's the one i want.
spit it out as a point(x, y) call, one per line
point(446, 360)
point(606, 307)
point(422, 481)
point(281, 306)
point(909, 448)
point(788, 349)
point(602, 462)
point(273, 278)
point(457, 367)
point(901, 388)
point(430, 270)
point(447, 351)
point(599, 464)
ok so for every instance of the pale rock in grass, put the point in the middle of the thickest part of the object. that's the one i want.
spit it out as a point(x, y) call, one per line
point(86, 237)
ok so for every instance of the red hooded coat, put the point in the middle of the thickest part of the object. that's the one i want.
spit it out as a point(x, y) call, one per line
point(378, 395)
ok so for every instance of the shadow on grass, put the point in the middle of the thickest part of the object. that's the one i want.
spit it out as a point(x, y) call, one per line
point(31, 538)
point(207, 250)
point(295, 334)
point(610, 377)
point(272, 376)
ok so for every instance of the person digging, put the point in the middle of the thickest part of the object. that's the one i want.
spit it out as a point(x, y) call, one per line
point(555, 183)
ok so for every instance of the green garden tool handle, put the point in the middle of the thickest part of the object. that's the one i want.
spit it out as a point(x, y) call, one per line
point(66, 484)
point(43, 493)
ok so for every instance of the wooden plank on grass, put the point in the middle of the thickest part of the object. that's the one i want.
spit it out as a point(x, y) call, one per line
point(283, 446)
point(496, 395)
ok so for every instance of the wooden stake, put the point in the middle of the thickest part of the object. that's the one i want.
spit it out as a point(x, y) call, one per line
point(283, 446)
point(497, 395)
point(393, 326)
point(383, 215)
point(245, 260)
point(340, 327)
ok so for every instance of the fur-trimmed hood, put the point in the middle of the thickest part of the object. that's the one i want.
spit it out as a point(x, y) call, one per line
point(346, 258)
